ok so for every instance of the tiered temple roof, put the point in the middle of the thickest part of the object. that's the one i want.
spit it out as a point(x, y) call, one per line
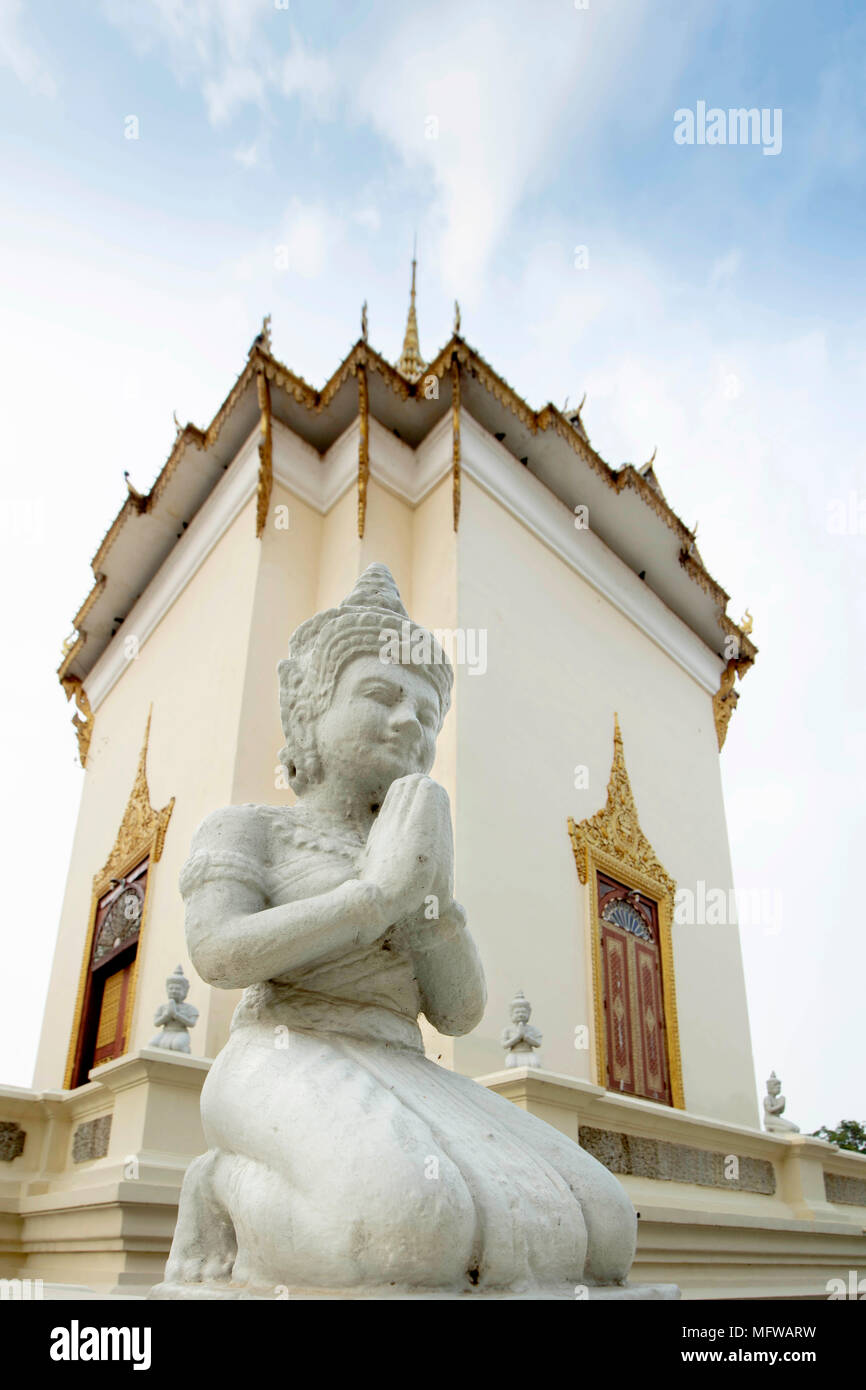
point(628, 508)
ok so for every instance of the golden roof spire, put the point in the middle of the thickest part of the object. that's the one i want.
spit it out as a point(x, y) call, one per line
point(411, 363)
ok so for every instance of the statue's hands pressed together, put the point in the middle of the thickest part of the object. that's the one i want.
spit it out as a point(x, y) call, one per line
point(409, 852)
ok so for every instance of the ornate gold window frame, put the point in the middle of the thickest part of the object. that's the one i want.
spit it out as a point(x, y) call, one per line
point(141, 835)
point(612, 840)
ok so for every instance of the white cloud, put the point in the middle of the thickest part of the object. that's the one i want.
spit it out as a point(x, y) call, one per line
point(224, 46)
point(235, 87)
point(368, 216)
point(481, 99)
point(725, 267)
point(497, 89)
point(213, 42)
point(248, 155)
point(309, 76)
point(17, 55)
point(306, 239)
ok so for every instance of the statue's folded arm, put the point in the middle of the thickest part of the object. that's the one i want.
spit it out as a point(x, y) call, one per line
point(449, 973)
point(235, 938)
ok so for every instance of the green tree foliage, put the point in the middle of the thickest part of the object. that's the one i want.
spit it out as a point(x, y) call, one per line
point(848, 1134)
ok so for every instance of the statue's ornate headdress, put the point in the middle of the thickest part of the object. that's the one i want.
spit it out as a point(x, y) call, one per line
point(322, 646)
point(177, 977)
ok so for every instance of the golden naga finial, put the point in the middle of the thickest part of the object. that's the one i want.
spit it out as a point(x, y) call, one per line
point(411, 364)
point(178, 427)
point(364, 321)
point(746, 623)
point(263, 337)
point(456, 317)
point(649, 463)
point(135, 496)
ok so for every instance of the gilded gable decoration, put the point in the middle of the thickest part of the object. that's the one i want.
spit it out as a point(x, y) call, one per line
point(612, 841)
point(140, 837)
point(142, 829)
point(615, 831)
point(266, 452)
point(455, 439)
point(363, 447)
point(82, 722)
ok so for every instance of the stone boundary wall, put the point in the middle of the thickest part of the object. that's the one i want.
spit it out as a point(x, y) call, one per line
point(669, 1162)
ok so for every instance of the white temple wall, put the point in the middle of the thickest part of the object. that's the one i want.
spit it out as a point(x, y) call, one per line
point(561, 660)
point(202, 638)
point(285, 595)
point(434, 604)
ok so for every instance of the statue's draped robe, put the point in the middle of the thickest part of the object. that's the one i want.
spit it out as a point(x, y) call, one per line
point(367, 1163)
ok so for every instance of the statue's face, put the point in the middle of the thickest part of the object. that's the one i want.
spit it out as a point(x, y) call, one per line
point(774, 1087)
point(520, 1014)
point(176, 991)
point(381, 724)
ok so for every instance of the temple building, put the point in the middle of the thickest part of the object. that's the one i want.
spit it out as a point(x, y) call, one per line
point(596, 672)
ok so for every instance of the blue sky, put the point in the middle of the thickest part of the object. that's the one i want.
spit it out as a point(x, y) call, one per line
point(720, 317)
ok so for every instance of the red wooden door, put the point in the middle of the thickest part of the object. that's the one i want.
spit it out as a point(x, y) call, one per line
point(114, 945)
point(634, 1015)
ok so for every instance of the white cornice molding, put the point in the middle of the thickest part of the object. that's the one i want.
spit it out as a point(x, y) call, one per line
point(410, 474)
point(511, 484)
point(206, 529)
point(406, 472)
point(297, 466)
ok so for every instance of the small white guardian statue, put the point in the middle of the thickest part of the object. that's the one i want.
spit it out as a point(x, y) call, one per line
point(520, 1038)
point(322, 1115)
point(175, 1018)
point(774, 1104)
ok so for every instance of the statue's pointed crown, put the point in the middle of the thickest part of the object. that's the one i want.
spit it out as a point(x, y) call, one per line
point(376, 590)
point(357, 626)
point(362, 625)
point(375, 599)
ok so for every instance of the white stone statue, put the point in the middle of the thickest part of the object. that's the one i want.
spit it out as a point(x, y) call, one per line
point(175, 1018)
point(520, 1039)
point(342, 1162)
point(774, 1104)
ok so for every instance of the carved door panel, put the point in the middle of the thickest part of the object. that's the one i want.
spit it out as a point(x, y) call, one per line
point(113, 949)
point(633, 999)
point(110, 1039)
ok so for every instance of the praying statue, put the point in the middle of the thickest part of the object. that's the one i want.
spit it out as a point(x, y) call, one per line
point(774, 1104)
point(175, 1018)
point(520, 1038)
point(342, 1162)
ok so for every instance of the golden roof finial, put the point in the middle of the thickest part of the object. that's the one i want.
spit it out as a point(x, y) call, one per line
point(411, 363)
point(263, 337)
point(746, 622)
